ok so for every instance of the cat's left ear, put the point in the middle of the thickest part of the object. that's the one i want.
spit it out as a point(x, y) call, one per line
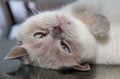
point(97, 23)
point(82, 67)
point(17, 53)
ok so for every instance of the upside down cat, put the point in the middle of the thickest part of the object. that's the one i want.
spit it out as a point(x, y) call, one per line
point(86, 31)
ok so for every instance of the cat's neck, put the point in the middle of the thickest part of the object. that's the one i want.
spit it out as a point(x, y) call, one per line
point(109, 53)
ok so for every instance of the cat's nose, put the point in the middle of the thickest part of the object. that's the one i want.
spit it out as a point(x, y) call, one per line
point(57, 29)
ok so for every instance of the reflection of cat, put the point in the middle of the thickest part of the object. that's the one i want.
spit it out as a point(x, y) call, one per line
point(98, 72)
point(73, 36)
point(30, 72)
point(107, 72)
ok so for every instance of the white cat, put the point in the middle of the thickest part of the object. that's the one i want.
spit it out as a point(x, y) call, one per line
point(83, 32)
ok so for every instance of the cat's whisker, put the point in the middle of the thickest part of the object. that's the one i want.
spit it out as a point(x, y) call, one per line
point(38, 4)
point(70, 33)
point(46, 6)
point(34, 11)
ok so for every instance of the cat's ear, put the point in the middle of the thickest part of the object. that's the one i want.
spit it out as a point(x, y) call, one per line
point(17, 53)
point(82, 67)
point(97, 23)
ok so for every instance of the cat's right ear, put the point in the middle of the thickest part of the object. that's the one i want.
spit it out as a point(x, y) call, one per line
point(17, 53)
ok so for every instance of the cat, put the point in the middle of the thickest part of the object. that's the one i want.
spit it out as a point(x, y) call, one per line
point(80, 33)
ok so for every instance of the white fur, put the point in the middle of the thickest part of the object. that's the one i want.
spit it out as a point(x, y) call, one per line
point(106, 72)
point(108, 53)
point(87, 39)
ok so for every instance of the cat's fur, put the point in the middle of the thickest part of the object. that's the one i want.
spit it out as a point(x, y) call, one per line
point(83, 26)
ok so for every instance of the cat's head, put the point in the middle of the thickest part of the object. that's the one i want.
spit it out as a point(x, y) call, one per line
point(55, 40)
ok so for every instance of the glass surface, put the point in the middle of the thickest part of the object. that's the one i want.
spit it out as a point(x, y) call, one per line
point(13, 69)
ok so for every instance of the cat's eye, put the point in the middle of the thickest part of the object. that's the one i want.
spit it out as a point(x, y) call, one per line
point(65, 47)
point(39, 35)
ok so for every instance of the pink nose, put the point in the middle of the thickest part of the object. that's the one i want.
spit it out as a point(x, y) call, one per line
point(57, 29)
